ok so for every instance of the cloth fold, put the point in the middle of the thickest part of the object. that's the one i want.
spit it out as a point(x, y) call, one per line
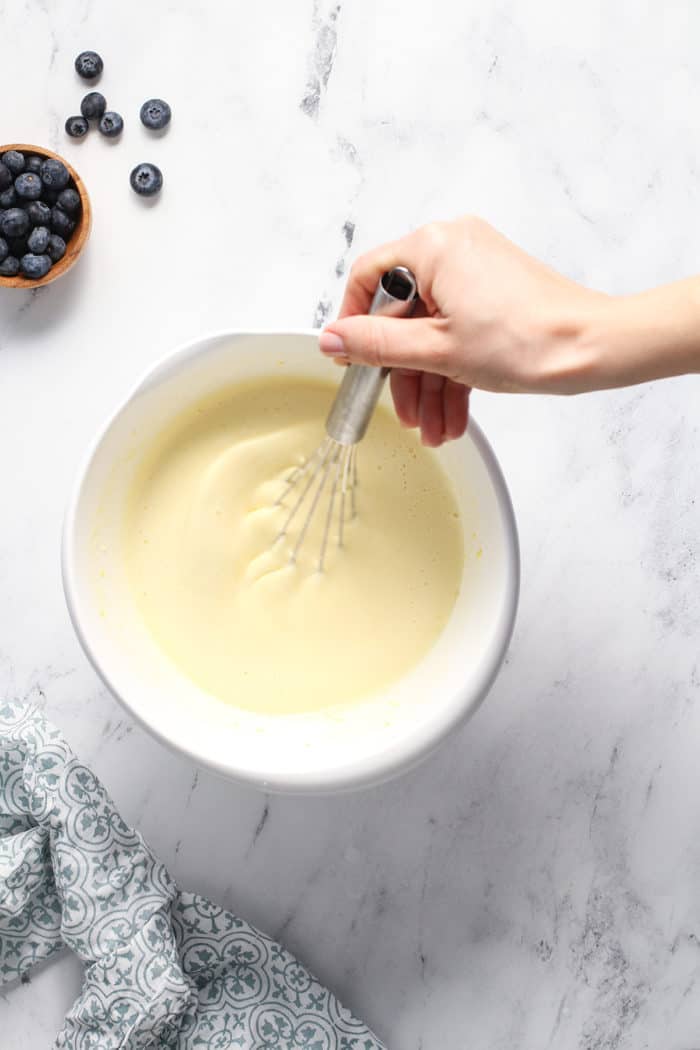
point(163, 967)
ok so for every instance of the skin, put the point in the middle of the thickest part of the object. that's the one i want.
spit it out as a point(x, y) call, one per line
point(494, 318)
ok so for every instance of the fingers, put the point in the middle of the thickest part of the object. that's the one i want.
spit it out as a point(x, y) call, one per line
point(431, 414)
point(419, 251)
point(440, 407)
point(405, 390)
point(455, 399)
point(420, 343)
point(418, 350)
point(443, 410)
point(365, 275)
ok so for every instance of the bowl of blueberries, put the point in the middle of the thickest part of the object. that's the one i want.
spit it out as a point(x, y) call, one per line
point(45, 216)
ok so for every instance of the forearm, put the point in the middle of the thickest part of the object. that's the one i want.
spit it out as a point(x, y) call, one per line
point(637, 338)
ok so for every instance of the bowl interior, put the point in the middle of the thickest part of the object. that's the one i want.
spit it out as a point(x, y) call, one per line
point(333, 750)
point(79, 236)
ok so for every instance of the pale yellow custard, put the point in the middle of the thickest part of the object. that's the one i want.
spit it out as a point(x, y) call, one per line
point(227, 607)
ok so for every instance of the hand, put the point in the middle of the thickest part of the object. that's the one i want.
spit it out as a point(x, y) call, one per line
point(490, 317)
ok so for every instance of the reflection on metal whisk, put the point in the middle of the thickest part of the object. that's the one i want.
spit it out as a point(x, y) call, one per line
point(335, 459)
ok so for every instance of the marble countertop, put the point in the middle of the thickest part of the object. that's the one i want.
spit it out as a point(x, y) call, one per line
point(537, 882)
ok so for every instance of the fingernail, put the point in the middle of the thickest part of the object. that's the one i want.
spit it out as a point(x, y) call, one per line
point(331, 344)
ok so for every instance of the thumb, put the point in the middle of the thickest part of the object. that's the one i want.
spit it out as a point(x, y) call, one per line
point(390, 342)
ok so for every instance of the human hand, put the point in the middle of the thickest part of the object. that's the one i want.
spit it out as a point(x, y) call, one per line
point(490, 316)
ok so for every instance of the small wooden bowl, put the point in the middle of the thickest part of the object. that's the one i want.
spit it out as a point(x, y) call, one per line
point(79, 236)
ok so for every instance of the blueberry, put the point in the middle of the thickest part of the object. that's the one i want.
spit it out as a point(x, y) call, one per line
point(155, 114)
point(93, 105)
point(111, 124)
point(4, 249)
point(38, 240)
point(69, 201)
point(54, 174)
point(88, 65)
point(33, 164)
point(76, 127)
point(28, 186)
point(14, 223)
point(146, 179)
point(56, 247)
point(39, 213)
point(14, 160)
point(6, 178)
point(9, 267)
point(35, 266)
point(8, 198)
point(17, 246)
point(61, 223)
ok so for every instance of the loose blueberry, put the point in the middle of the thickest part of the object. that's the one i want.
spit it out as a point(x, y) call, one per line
point(35, 266)
point(61, 223)
point(146, 179)
point(88, 65)
point(56, 247)
point(111, 124)
point(33, 164)
point(4, 249)
point(54, 174)
point(14, 223)
point(93, 105)
point(28, 186)
point(155, 114)
point(38, 240)
point(39, 213)
point(8, 198)
point(76, 127)
point(6, 178)
point(14, 160)
point(69, 201)
point(9, 267)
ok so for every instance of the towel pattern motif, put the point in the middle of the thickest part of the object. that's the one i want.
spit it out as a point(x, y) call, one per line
point(163, 967)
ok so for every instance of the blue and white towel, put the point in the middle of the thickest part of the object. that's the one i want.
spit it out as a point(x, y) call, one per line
point(163, 968)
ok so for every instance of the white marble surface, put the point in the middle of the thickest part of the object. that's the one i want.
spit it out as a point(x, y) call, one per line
point(537, 883)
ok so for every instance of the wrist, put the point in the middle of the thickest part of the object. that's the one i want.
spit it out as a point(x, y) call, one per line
point(575, 341)
point(623, 340)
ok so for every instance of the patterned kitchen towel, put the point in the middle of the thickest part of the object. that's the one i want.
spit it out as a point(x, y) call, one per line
point(163, 968)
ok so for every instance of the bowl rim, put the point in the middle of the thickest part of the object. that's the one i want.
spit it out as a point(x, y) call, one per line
point(356, 774)
point(75, 245)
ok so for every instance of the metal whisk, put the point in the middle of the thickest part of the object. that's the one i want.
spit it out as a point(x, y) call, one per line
point(332, 468)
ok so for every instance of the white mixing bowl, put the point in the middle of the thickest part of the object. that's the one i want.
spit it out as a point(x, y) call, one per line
point(317, 752)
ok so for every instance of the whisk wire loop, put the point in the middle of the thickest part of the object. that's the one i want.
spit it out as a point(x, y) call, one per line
point(319, 458)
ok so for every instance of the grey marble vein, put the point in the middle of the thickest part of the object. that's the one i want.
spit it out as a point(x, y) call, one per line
point(322, 56)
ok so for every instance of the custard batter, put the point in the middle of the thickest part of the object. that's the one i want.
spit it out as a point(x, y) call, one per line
point(227, 607)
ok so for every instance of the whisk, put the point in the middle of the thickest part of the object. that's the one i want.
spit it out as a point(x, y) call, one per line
point(332, 468)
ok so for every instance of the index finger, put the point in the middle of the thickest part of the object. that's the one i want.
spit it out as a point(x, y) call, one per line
point(365, 274)
point(418, 251)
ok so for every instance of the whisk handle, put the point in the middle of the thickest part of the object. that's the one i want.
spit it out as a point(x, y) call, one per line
point(350, 413)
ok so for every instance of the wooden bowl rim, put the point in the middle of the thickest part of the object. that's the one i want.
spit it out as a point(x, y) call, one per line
point(80, 235)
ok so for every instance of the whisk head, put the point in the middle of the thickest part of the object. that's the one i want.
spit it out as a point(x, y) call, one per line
point(333, 467)
point(324, 483)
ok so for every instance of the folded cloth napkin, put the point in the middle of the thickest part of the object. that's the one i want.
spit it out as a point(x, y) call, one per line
point(163, 968)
